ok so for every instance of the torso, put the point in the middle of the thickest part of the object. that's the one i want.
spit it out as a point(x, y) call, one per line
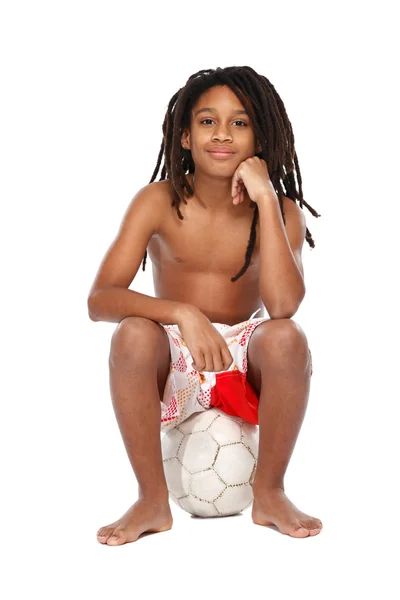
point(193, 261)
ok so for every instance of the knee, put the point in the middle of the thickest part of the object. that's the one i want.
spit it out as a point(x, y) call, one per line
point(135, 336)
point(281, 336)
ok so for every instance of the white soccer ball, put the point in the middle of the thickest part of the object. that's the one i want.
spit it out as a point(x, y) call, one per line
point(209, 463)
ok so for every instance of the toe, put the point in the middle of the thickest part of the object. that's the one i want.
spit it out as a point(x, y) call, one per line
point(298, 531)
point(118, 537)
point(311, 524)
point(103, 534)
point(314, 524)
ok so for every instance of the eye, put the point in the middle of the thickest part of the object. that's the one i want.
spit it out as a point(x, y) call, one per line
point(238, 121)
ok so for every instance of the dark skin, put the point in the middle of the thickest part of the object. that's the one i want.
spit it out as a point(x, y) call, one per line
point(186, 271)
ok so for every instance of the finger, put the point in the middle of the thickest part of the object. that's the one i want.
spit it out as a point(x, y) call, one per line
point(224, 365)
point(235, 183)
point(227, 357)
point(240, 195)
point(208, 362)
point(236, 199)
point(234, 186)
point(198, 361)
point(218, 361)
point(203, 361)
point(235, 196)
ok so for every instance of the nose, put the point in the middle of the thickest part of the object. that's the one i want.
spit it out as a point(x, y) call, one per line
point(221, 134)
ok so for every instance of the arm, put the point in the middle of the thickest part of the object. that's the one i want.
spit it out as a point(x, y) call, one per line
point(109, 298)
point(282, 287)
point(115, 303)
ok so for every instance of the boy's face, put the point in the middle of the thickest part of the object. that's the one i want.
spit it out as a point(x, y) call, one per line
point(219, 125)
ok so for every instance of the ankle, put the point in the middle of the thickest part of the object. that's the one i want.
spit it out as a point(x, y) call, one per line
point(156, 498)
point(267, 486)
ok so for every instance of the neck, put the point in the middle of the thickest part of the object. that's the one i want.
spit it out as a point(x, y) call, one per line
point(214, 193)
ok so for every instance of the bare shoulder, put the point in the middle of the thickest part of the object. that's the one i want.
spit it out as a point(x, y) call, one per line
point(294, 216)
point(154, 197)
point(142, 219)
point(292, 208)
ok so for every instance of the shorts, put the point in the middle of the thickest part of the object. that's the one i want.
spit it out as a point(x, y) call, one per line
point(188, 391)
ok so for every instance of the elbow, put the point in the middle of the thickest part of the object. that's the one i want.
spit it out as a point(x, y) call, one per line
point(286, 314)
point(285, 311)
point(282, 313)
point(91, 313)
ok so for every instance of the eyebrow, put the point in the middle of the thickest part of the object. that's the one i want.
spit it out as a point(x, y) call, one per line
point(236, 112)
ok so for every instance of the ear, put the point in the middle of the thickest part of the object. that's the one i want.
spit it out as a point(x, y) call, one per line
point(185, 139)
point(258, 147)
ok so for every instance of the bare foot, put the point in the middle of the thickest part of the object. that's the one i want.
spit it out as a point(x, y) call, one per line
point(272, 507)
point(143, 516)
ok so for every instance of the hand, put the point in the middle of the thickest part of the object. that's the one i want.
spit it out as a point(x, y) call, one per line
point(208, 348)
point(252, 173)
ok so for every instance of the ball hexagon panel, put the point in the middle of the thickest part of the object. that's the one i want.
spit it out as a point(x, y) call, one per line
point(234, 464)
point(206, 485)
point(177, 476)
point(225, 431)
point(200, 508)
point(198, 421)
point(171, 443)
point(234, 500)
point(197, 451)
point(250, 437)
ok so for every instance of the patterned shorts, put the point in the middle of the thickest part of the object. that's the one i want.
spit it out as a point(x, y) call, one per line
point(188, 391)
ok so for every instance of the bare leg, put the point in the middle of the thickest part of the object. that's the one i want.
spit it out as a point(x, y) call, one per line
point(281, 367)
point(139, 366)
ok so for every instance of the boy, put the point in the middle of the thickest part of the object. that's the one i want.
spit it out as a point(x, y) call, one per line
point(196, 225)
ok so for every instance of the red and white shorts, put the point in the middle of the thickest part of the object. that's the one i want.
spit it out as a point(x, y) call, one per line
point(188, 391)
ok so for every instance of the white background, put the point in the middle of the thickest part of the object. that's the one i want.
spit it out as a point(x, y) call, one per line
point(85, 86)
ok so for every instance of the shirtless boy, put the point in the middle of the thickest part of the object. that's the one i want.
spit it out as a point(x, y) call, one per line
point(225, 238)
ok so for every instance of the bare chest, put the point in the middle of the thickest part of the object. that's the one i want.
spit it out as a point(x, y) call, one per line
point(211, 244)
point(195, 259)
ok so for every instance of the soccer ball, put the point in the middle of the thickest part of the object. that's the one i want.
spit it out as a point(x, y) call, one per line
point(209, 463)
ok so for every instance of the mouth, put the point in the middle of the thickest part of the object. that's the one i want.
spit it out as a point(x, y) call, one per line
point(221, 155)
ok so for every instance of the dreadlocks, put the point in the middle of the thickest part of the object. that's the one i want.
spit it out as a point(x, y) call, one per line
point(271, 126)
